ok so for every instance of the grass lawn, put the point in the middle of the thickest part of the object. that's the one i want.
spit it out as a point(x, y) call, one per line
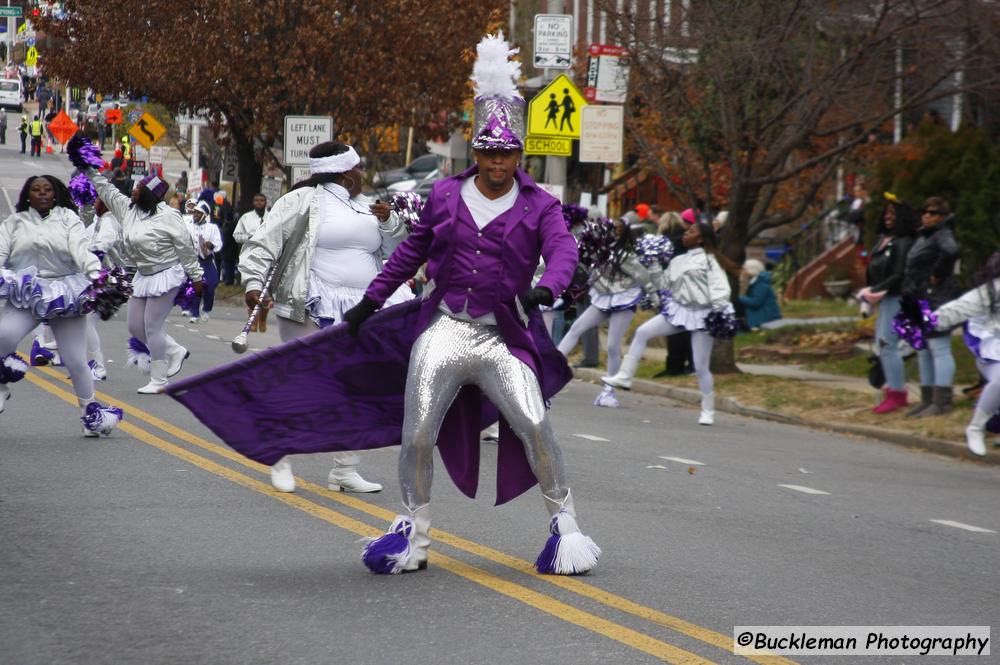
point(813, 309)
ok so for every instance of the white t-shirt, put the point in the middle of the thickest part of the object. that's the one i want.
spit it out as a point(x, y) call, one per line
point(483, 209)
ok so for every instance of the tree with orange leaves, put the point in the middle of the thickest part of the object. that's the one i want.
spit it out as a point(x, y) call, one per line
point(250, 62)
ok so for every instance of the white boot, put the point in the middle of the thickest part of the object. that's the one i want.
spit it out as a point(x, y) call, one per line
point(567, 551)
point(975, 433)
point(707, 409)
point(344, 476)
point(4, 396)
point(97, 370)
point(157, 378)
point(176, 355)
point(623, 379)
point(281, 476)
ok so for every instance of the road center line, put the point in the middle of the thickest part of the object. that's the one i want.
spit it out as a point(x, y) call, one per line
point(682, 460)
point(963, 525)
point(547, 604)
point(803, 489)
point(571, 584)
point(591, 437)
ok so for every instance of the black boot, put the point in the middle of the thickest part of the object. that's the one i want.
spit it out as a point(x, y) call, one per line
point(926, 401)
point(942, 402)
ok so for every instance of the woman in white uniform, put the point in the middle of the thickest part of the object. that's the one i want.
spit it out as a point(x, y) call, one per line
point(330, 241)
point(614, 296)
point(693, 286)
point(46, 268)
point(157, 240)
point(979, 309)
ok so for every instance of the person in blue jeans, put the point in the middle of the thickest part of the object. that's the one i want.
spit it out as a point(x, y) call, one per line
point(885, 283)
point(930, 275)
point(207, 241)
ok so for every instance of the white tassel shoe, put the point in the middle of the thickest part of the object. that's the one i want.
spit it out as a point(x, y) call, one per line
point(707, 416)
point(157, 378)
point(975, 433)
point(281, 476)
point(607, 398)
point(100, 420)
point(568, 551)
point(344, 476)
point(404, 547)
point(623, 379)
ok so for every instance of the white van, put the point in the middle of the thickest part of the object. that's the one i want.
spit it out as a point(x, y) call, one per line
point(10, 94)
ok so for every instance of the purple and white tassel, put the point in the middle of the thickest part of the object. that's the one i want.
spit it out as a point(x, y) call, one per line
point(408, 206)
point(721, 324)
point(101, 419)
point(12, 368)
point(567, 551)
point(40, 356)
point(388, 554)
point(186, 298)
point(138, 355)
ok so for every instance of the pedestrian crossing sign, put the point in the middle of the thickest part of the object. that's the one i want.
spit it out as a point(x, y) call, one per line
point(147, 130)
point(555, 110)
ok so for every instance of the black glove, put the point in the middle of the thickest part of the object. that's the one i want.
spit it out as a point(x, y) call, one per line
point(537, 296)
point(356, 315)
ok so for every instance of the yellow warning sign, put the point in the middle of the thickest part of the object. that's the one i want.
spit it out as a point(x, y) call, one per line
point(31, 58)
point(548, 145)
point(147, 130)
point(555, 110)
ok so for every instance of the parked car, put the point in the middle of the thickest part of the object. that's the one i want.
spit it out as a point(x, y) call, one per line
point(92, 111)
point(415, 170)
point(422, 186)
point(11, 95)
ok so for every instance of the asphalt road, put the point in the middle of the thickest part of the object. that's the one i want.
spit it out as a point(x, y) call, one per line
point(160, 545)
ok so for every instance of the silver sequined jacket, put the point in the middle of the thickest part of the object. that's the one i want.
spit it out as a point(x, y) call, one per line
point(267, 245)
point(696, 280)
point(57, 245)
point(153, 242)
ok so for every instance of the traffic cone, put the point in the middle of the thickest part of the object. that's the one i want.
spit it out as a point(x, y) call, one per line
point(48, 147)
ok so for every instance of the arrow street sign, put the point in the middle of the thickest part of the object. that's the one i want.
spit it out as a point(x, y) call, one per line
point(555, 110)
point(147, 130)
point(113, 116)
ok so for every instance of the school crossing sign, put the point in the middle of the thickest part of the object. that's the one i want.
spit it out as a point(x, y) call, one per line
point(555, 110)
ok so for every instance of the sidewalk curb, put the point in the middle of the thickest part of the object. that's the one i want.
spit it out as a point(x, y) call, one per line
point(731, 405)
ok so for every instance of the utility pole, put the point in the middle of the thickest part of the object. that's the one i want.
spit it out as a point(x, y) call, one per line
point(555, 167)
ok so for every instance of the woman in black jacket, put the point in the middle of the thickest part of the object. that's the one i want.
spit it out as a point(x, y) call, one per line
point(885, 285)
point(930, 276)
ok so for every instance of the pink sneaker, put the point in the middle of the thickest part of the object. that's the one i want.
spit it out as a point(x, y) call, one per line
point(893, 399)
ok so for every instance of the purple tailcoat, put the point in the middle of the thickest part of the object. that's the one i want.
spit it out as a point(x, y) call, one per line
point(533, 228)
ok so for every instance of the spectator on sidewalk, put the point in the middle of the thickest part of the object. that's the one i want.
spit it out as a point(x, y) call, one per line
point(36, 129)
point(3, 126)
point(225, 219)
point(930, 275)
point(759, 301)
point(884, 287)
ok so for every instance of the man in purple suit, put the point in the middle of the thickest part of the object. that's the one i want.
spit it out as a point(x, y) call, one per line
point(481, 234)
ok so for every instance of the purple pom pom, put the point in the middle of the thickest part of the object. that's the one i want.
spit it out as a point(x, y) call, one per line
point(82, 191)
point(408, 206)
point(109, 291)
point(84, 154)
point(721, 324)
point(12, 368)
point(596, 242)
point(387, 554)
point(653, 251)
point(186, 298)
point(574, 215)
point(914, 322)
point(101, 419)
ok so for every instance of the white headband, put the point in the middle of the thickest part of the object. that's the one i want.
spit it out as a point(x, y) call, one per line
point(345, 161)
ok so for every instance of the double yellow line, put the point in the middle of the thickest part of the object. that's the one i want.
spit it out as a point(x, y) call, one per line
point(548, 604)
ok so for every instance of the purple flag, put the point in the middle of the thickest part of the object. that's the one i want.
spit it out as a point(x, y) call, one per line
point(330, 391)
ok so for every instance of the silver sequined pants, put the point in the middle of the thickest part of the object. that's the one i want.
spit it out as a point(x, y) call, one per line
point(451, 354)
